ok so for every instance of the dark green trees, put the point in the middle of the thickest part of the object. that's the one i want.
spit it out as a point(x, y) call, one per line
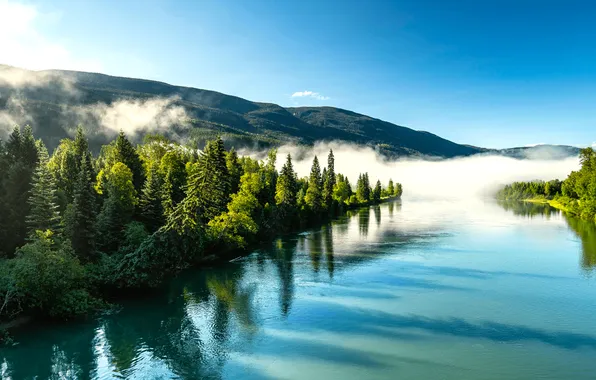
point(43, 203)
point(286, 189)
point(151, 204)
point(150, 211)
point(330, 181)
point(376, 194)
point(126, 153)
point(80, 225)
point(314, 193)
point(363, 190)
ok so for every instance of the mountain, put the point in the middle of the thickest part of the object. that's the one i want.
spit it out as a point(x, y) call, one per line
point(54, 102)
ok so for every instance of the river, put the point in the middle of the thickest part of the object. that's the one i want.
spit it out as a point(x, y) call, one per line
point(417, 289)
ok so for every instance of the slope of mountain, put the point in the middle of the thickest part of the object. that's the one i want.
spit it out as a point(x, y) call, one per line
point(53, 102)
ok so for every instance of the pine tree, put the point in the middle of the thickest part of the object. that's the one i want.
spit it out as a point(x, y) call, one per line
point(81, 227)
point(43, 202)
point(13, 145)
point(330, 180)
point(314, 196)
point(126, 153)
point(235, 170)
point(207, 191)
point(151, 201)
point(377, 192)
point(363, 188)
point(390, 188)
point(29, 154)
point(117, 209)
point(173, 171)
point(286, 189)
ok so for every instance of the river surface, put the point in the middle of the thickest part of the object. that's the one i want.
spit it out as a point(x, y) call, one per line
point(409, 290)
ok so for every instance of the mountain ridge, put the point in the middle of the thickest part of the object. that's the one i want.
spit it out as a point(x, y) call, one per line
point(55, 101)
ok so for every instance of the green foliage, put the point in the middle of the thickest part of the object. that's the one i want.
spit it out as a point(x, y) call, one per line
point(314, 193)
point(188, 207)
point(151, 200)
point(118, 208)
point(376, 194)
point(48, 280)
point(577, 193)
point(363, 190)
point(80, 223)
point(43, 214)
point(125, 153)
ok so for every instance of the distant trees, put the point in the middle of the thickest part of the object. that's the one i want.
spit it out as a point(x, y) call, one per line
point(73, 226)
point(577, 193)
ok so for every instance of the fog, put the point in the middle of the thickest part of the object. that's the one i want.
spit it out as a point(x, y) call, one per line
point(133, 116)
point(473, 176)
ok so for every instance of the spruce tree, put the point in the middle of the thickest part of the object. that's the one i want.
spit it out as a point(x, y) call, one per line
point(314, 196)
point(377, 192)
point(81, 226)
point(390, 188)
point(235, 170)
point(207, 191)
point(286, 189)
point(151, 200)
point(43, 202)
point(13, 145)
point(127, 154)
point(329, 183)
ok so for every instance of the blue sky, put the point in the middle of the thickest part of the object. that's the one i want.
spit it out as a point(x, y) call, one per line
point(488, 73)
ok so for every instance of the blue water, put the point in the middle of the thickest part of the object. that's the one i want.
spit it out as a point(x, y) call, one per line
point(412, 290)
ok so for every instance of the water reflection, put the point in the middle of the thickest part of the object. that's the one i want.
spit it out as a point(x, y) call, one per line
point(584, 230)
point(528, 209)
point(299, 303)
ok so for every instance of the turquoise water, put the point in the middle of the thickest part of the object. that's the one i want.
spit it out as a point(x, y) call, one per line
point(412, 290)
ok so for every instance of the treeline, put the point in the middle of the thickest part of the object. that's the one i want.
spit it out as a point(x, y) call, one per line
point(576, 194)
point(75, 229)
point(528, 190)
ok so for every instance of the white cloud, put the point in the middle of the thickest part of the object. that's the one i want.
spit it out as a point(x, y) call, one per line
point(309, 94)
point(23, 44)
point(594, 145)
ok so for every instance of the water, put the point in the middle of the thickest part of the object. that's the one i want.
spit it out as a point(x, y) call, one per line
point(419, 290)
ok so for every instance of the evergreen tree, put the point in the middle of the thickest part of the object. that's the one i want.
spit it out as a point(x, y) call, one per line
point(29, 153)
point(14, 145)
point(235, 170)
point(126, 153)
point(330, 180)
point(314, 196)
point(390, 188)
point(80, 227)
point(363, 188)
point(43, 202)
point(207, 191)
point(117, 209)
point(173, 171)
point(286, 189)
point(377, 192)
point(151, 201)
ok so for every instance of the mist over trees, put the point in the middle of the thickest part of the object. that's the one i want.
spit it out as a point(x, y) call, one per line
point(576, 194)
point(75, 228)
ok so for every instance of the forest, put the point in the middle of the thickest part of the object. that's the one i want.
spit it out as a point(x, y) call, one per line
point(576, 194)
point(77, 231)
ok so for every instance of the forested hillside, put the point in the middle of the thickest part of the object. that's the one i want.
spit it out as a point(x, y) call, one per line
point(55, 102)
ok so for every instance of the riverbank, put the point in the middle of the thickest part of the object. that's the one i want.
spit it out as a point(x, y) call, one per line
point(551, 202)
point(209, 260)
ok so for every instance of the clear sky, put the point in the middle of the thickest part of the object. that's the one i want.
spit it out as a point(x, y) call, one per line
point(483, 72)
